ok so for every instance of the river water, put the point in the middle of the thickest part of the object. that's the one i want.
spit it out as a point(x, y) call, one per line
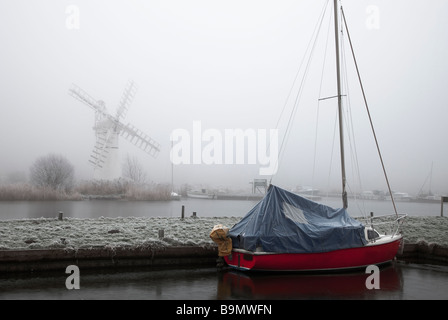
point(202, 207)
point(397, 281)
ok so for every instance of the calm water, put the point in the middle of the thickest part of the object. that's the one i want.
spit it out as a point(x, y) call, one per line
point(397, 281)
point(202, 207)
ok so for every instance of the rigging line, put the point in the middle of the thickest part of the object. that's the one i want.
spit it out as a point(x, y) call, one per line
point(420, 192)
point(351, 131)
point(297, 99)
point(348, 116)
point(318, 101)
point(335, 127)
point(351, 134)
point(299, 93)
point(368, 113)
point(430, 180)
point(301, 63)
point(424, 183)
point(349, 120)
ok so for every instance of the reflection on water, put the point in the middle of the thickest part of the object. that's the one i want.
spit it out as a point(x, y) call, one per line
point(397, 281)
point(308, 286)
point(112, 208)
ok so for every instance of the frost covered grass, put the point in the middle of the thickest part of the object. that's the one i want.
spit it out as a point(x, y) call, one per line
point(135, 232)
point(73, 233)
point(428, 229)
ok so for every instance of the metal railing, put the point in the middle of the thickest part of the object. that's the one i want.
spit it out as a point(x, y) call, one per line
point(385, 225)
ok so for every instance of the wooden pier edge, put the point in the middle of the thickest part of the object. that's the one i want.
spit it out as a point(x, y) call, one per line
point(58, 259)
point(423, 252)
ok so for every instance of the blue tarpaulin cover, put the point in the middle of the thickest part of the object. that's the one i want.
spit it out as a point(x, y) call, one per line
point(284, 222)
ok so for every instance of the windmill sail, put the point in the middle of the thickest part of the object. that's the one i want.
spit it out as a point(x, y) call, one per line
point(140, 139)
point(79, 94)
point(105, 155)
point(126, 100)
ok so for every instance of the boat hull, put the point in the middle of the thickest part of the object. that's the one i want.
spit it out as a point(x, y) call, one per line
point(202, 194)
point(371, 254)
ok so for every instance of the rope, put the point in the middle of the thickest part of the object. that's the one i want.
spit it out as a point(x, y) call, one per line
point(355, 168)
point(368, 113)
point(319, 100)
point(299, 93)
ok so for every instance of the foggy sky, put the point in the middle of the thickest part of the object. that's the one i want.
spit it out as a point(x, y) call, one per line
point(228, 64)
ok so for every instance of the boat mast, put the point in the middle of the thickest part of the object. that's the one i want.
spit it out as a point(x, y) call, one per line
point(341, 130)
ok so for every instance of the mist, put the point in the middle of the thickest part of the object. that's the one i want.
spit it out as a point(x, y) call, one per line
point(228, 65)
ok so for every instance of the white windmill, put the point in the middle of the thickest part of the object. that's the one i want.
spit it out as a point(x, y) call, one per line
point(105, 156)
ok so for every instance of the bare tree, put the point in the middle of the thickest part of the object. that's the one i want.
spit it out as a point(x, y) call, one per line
point(53, 171)
point(134, 171)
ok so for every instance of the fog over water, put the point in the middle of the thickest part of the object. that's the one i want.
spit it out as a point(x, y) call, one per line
point(228, 65)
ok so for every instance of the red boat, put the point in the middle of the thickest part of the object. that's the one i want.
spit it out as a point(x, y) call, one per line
point(287, 232)
point(381, 251)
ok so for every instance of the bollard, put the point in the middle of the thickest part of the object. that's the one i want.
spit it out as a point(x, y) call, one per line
point(442, 200)
point(161, 233)
point(60, 215)
point(194, 214)
point(183, 212)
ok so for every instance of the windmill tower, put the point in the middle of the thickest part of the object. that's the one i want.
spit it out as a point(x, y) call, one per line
point(105, 156)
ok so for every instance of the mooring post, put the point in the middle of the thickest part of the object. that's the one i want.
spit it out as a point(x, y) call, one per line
point(194, 214)
point(183, 212)
point(60, 215)
point(442, 200)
